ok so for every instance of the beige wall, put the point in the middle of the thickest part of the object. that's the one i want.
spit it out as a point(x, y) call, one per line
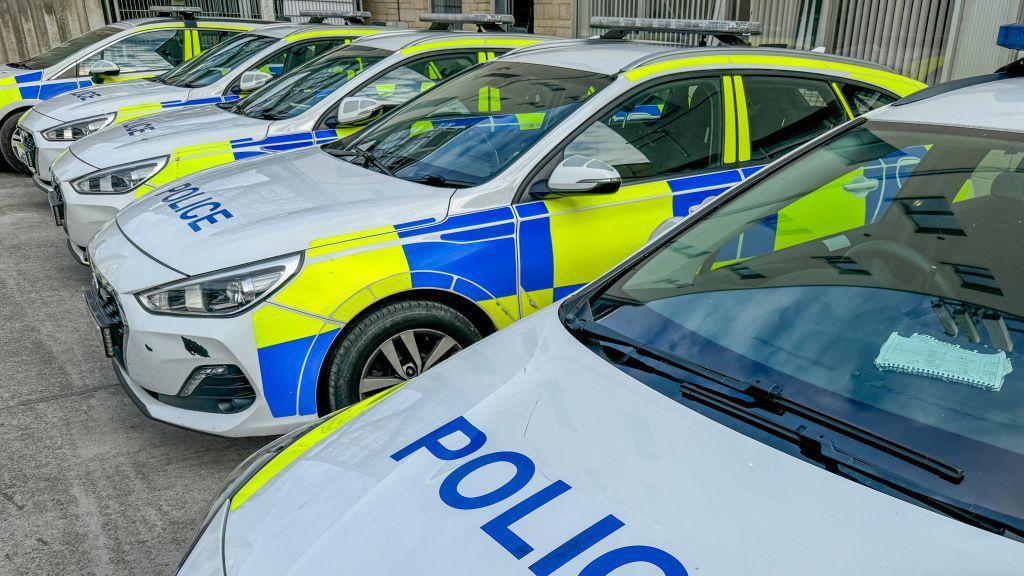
point(28, 27)
point(550, 16)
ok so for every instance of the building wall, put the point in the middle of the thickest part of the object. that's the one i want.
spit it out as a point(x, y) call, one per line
point(28, 27)
point(549, 16)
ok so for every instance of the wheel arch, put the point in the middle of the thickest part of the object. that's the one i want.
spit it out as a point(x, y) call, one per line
point(462, 304)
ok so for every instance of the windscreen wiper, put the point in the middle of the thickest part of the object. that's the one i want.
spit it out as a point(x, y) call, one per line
point(441, 181)
point(822, 449)
point(367, 157)
point(768, 399)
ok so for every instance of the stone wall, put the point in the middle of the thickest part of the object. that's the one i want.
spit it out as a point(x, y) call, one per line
point(28, 27)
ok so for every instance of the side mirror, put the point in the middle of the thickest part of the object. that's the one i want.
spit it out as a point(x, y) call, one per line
point(584, 175)
point(253, 79)
point(355, 110)
point(104, 68)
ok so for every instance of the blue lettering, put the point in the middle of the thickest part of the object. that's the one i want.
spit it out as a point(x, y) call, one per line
point(500, 527)
point(475, 438)
point(451, 496)
point(609, 561)
point(190, 213)
point(211, 218)
point(576, 545)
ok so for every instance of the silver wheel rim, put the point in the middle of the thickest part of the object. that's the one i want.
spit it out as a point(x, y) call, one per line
point(403, 356)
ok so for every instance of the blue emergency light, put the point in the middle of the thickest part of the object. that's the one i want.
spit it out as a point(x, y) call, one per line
point(1011, 36)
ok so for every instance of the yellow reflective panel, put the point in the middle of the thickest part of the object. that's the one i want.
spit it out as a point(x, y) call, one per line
point(274, 325)
point(332, 33)
point(826, 211)
point(126, 113)
point(300, 446)
point(742, 121)
point(729, 126)
point(472, 43)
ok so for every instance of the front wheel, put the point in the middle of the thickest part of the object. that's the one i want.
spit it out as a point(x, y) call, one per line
point(8, 159)
point(393, 344)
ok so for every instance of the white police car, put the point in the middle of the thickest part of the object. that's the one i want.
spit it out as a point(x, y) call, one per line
point(819, 373)
point(103, 173)
point(122, 51)
point(249, 298)
point(229, 71)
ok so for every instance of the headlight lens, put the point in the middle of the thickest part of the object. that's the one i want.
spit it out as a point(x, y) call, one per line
point(119, 179)
point(221, 293)
point(79, 128)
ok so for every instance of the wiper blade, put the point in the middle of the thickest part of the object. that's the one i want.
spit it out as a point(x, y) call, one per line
point(821, 448)
point(773, 400)
point(363, 155)
point(441, 181)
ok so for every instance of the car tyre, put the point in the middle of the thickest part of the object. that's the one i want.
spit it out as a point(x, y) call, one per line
point(8, 159)
point(372, 352)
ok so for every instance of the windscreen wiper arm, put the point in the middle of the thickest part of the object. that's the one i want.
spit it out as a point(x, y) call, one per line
point(774, 401)
point(362, 155)
point(822, 448)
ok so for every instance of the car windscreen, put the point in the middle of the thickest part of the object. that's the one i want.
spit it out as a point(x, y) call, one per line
point(467, 130)
point(217, 62)
point(876, 279)
point(299, 90)
point(61, 51)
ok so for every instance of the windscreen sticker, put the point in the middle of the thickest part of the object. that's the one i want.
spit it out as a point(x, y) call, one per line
point(198, 209)
point(923, 355)
point(459, 439)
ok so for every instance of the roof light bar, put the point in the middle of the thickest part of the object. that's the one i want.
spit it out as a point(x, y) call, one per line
point(185, 12)
point(727, 31)
point(1011, 36)
point(350, 16)
point(484, 22)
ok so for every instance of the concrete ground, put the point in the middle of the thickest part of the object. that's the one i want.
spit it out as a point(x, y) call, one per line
point(88, 485)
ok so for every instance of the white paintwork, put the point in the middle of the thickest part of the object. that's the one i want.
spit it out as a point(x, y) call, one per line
point(718, 501)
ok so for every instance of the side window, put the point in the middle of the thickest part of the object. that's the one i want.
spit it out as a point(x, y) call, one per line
point(403, 83)
point(297, 55)
point(209, 38)
point(863, 100)
point(669, 129)
point(786, 112)
point(155, 50)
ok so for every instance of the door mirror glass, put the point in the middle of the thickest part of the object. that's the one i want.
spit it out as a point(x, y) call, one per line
point(354, 110)
point(104, 68)
point(253, 79)
point(584, 175)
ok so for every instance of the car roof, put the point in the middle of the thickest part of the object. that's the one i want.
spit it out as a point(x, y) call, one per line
point(285, 29)
point(612, 56)
point(404, 38)
point(996, 105)
point(133, 22)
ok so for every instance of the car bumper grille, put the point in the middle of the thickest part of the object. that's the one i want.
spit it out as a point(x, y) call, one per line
point(107, 314)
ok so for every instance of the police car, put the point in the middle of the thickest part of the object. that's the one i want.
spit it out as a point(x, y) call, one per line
point(233, 69)
point(819, 373)
point(126, 50)
point(316, 104)
point(250, 298)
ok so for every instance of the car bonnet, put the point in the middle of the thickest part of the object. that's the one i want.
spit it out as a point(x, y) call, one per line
point(265, 207)
point(164, 134)
point(117, 97)
point(493, 462)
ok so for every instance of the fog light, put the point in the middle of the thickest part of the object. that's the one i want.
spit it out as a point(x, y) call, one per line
point(197, 377)
point(108, 341)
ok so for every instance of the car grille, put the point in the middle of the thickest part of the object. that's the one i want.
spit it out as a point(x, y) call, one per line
point(28, 143)
point(109, 318)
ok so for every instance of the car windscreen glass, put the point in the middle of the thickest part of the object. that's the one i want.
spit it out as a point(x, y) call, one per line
point(299, 90)
point(60, 52)
point(467, 130)
point(217, 62)
point(877, 279)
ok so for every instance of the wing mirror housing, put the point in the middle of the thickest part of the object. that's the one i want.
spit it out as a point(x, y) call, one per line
point(860, 186)
point(104, 68)
point(357, 110)
point(584, 175)
point(253, 79)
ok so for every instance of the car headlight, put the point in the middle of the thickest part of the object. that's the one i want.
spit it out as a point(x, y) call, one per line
point(119, 179)
point(221, 293)
point(79, 128)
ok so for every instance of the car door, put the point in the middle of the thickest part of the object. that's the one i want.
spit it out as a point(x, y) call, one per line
point(666, 140)
point(147, 53)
